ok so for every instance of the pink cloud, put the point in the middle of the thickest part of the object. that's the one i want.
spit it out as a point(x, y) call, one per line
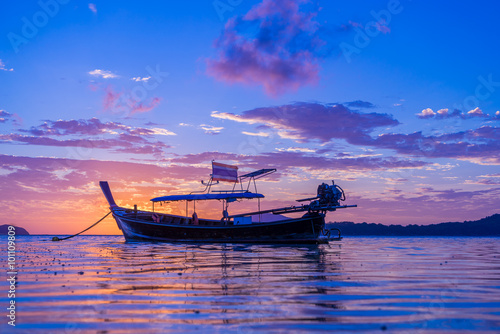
point(140, 107)
point(62, 190)
point(122, 102)
point(111, 98)
point(382, 27)
point(273, 45)
point(93, 8)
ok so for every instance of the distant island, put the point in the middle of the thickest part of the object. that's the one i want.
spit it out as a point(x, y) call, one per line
point(4, 229)
point(489, 226)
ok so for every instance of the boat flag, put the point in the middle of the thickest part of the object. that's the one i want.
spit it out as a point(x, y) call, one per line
point(223, 172)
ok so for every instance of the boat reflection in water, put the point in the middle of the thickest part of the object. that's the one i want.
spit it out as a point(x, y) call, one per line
point(230, 284)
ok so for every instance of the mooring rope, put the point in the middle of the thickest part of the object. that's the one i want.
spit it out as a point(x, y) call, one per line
point(88, 228)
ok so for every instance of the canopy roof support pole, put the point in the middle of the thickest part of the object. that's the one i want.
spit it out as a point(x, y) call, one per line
point(260, 214)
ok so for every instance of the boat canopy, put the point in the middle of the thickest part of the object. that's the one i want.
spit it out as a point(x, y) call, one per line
point(196, 197)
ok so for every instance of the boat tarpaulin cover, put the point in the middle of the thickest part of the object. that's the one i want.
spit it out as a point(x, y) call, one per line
point(223, 172)
point(197, 197)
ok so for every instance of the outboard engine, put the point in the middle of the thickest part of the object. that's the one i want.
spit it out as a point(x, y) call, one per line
point(328, 195)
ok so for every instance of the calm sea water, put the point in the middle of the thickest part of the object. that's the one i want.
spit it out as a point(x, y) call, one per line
point(360, 284)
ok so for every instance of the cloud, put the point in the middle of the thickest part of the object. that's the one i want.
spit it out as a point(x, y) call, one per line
point(124, 143)
point(121, 102)
point(140, 79)
point(481, 145)
point(296, 149)
point(445, 113)
point(93, 8)
point(141, 107)
point(211, 130)
point(111, 98)
point(256, 134)
point(3, 68)
point(14, 118)
point(274, 45)
point(103, 74)
point(60, 190)
point(382, 27)
point(305, 121)
point(426, 206)
point(4, 116)
point(163, 132)
point(487, 182)
point(359, 104)
point(90, 127)
point(476, 112)
point(426, 113)
point(286, 160)
point(113, 136)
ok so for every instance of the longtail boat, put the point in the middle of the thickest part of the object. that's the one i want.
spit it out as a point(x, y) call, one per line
point(139, 225)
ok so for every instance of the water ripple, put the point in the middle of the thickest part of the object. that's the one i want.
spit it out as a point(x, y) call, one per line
point(412, 285)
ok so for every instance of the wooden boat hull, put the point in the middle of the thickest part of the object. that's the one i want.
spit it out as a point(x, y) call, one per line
point(141, 226)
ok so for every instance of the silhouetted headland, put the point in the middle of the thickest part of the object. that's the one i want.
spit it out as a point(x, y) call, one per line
point(489, 226)
point(4, 229)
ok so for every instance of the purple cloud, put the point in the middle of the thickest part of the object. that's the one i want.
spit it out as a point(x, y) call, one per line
point(126, 143)
point(4, 116)
point(304, 121)
point(88, 127)
point(7, 116)
point(110, 135)
point(359, 104)
point(482, 145)
point(274, 45)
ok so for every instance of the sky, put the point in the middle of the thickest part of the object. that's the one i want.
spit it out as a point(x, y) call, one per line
point(397, 101)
